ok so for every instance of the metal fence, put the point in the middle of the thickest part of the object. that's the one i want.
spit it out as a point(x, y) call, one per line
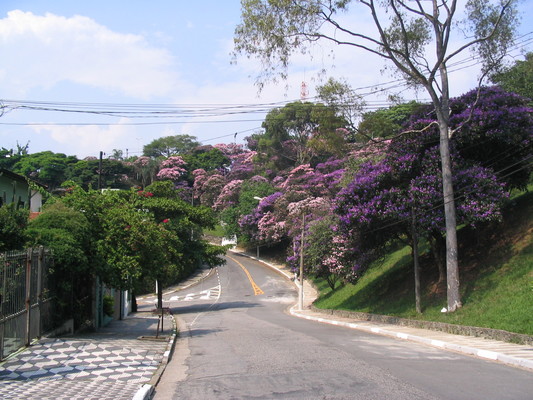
point(26, 305)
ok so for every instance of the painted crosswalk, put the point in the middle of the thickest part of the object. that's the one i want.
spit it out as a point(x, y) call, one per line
point(208, 294)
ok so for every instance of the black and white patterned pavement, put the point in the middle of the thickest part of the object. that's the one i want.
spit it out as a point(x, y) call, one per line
point(111, 364)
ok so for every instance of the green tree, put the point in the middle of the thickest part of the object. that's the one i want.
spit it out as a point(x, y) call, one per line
point(144, 235)
point(115, 174)
point(405, 33)
point(13, 223)
point(300, 131)
point(347, 103)
point(388, 122)
point(46, 167)
point(170, 146)
point(9, 157)
point(68, 234)
point(183, 225)
point(517, 78)
point(208, 158)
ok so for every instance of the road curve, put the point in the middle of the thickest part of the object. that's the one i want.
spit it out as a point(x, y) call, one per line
point(237, 341)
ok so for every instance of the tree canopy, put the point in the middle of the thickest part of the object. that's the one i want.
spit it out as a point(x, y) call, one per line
point(46, 167)
point(517, 78)
point(300, 133)
point(13, 223)
point(404, 34)
point(170, 146)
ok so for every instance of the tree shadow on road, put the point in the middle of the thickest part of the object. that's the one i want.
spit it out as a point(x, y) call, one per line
point(196, 308)
point(202, 332)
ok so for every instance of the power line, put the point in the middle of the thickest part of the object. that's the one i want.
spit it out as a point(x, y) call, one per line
point(191, 113)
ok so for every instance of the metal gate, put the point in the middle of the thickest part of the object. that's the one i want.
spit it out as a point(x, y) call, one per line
point(25, 299)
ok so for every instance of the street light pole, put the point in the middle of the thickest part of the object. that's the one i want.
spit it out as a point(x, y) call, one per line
point(257, 248)
point(301, 294)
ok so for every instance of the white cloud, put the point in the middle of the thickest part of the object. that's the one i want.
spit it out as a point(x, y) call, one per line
point(45, 50)
point(88, 139)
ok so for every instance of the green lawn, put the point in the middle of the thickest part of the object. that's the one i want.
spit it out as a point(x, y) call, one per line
point(496, 283)
point(217, 232)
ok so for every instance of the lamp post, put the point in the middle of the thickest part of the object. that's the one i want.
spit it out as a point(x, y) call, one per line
point(257, 248)
point(301, 292)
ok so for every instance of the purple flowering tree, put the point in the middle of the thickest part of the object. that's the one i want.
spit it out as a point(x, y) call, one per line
point(257, 224)
point(401, 196)
point(242, 165)
point(496, 133)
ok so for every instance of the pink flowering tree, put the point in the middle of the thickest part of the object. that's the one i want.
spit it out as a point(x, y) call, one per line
point(255, 225)
point(172, 169)
point(145, 169)
point(277, 218)
point(241, 198)
point(200, 177)
point(207, 186)
point(229, 196)
point(325, 251)
point(230, 149)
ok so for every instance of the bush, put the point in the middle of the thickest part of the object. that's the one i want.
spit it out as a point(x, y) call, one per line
point(108, 305)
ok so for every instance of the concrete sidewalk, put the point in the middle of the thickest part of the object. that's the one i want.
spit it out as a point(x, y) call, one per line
point(515, 355)
point(124, 360)
point(508, 353)
point(120, 361)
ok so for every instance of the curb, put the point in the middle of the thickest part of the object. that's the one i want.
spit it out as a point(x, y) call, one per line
point(146, 390)
point(144, 393)
point(485, 354)
point(462, 330)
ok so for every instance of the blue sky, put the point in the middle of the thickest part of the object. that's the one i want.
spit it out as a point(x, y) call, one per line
point(135, 52)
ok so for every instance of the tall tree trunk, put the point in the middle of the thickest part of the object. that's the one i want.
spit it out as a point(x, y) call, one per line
point(452, 266)
point(442, 109)
point(437, 249)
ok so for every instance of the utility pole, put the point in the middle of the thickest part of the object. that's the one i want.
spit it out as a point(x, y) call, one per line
point(257, 247)
point(100, 171)
point(416, 262)
point(301, 294)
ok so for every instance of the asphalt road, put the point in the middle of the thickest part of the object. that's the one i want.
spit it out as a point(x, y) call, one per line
point(238, 342)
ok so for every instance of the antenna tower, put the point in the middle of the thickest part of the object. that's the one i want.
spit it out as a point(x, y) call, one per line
point(304, 91)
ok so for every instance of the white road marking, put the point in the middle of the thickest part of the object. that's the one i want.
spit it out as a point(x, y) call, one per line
point(212, 293)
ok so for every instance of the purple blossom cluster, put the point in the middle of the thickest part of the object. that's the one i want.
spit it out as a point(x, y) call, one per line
point(372, 195)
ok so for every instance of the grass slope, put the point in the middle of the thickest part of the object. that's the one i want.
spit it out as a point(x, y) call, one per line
point(496, 279)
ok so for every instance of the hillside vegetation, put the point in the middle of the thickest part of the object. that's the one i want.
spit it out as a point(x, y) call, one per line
point(496, 279)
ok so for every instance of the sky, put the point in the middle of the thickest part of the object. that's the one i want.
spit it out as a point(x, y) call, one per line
point(160, 56)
